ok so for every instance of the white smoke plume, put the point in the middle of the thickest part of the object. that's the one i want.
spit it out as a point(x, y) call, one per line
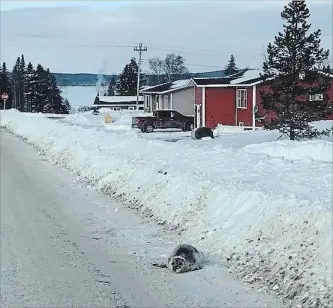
point(100, 77)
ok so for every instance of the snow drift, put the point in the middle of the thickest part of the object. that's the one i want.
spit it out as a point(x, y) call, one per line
point(319, 150)
point(268, 218)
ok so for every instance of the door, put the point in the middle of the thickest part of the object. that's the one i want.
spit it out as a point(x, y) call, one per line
point(175, 120)
point(163, 120)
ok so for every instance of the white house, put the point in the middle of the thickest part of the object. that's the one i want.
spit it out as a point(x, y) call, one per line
point(177, 95)
point(118, 102)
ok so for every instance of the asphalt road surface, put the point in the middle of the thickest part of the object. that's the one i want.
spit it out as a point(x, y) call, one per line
point(64, 245)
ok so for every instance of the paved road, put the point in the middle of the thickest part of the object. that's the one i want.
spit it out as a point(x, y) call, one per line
point(63, 245)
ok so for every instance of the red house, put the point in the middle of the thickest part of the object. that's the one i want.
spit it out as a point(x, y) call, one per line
point(231, 100)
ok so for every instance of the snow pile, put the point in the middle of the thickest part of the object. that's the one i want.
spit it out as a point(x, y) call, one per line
point(121, 120)
point(124, 118)
point(225, 129)
point(321, 125)
point(77, 118)
point(53, 115)
point(267, 218)
point(105, 110)
point(319, 150)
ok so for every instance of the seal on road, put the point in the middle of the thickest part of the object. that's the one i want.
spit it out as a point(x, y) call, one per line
point(184, 258)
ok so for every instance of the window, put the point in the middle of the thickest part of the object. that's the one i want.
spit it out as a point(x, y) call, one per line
point(174, 115)
point(316, 97)
point(242, 98)
point(164, 114)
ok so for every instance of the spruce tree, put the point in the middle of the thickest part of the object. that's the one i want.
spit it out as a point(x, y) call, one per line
point(22, 84)
point(127, 83)
point(5, 86)
point(231, 68)
point(29, 91)
point(327, 69)
point(41, 78)
point(54, 99)
point(65, 106)
point(294, 62)
point(17, 80)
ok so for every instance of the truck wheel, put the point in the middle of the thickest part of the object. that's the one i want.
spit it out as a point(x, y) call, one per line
point(149, 128)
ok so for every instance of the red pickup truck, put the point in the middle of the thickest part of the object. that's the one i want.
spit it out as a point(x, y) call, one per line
point(163, 119)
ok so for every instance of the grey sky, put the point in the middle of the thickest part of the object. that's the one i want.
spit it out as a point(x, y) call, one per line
point(93, 36)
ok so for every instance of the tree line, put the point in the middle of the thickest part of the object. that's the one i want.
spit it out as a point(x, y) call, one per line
point(31, 89)
point(171, 68)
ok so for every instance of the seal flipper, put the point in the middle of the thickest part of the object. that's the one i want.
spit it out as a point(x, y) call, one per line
point(160, 265)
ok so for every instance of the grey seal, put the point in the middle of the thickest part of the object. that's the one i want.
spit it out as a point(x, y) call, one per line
point(184, 258)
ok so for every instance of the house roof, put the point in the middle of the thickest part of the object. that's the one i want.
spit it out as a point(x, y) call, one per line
point(220, 73)
point(215, 80)
point(241, 77)
point(118, 99)
point(244, 77)
point(167, 87)
point(249, 76)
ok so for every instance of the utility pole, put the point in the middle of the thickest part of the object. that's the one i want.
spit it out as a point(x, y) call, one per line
point(139, 49)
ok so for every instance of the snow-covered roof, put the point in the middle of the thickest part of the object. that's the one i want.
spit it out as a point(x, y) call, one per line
point(180, 83)
point(167, 87)
point(249, 75)
point(145, 88)
point(119, 99)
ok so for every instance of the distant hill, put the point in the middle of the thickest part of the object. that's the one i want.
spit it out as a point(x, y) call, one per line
point(84, 79)
point(81, 79)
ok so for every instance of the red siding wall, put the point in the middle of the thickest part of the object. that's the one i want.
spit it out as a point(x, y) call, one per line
point(266, 88)
point(330, 95)
point(220, 106)
point(330, 92)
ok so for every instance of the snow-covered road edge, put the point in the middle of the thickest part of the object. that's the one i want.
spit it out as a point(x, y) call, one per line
point(273, 248)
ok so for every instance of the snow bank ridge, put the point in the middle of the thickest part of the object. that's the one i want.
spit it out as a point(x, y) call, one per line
point(318, 150)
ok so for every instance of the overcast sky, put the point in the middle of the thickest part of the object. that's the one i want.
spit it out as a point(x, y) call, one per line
point(99, 36)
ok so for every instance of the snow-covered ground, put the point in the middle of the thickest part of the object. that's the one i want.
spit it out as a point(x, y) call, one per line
point(262, 206)
point(121, 122)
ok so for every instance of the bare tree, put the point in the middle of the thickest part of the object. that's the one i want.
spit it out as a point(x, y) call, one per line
point(174, 66)
point(156, 65)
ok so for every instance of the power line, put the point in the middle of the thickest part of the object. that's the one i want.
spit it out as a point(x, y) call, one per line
point(117, 44)
point(139, 49)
